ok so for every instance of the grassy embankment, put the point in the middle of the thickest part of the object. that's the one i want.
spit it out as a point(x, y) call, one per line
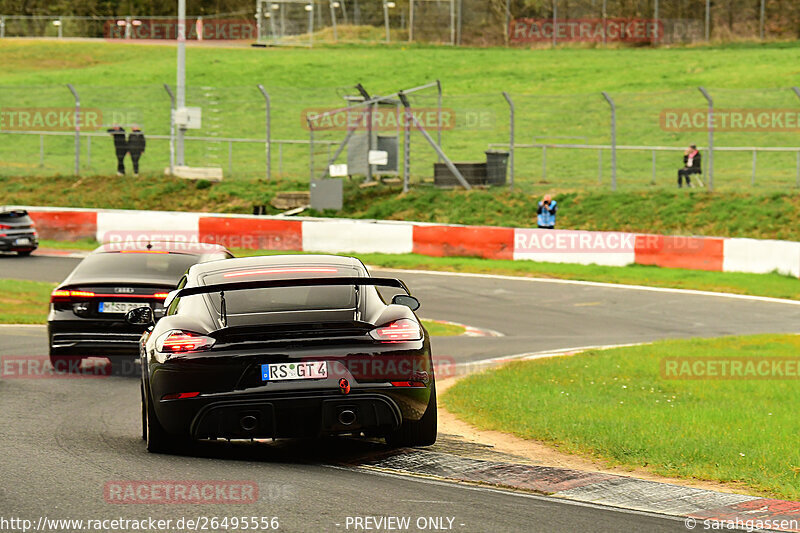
point(617, 406)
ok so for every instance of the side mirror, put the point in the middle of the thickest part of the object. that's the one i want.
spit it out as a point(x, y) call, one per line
point(407, 300)
point(141, 316)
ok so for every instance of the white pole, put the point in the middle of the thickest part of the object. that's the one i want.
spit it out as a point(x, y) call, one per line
point(181, 82)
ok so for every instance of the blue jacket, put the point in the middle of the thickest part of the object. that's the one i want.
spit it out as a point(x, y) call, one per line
point(547, 215)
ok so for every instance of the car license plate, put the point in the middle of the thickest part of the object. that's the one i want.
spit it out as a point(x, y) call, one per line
point(304, 370)
point(117, 307)
point(23, 240)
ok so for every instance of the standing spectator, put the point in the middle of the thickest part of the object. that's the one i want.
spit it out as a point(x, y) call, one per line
point(136, 143)
point(120, 147)
point(547, 213)
point(691, 165)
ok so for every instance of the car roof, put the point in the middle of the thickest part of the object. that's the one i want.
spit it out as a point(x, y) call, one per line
point(275, 260)
point(192, 248)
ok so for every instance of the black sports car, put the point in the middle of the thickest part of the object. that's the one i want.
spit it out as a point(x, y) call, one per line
point(17, 232)
point(285, 346)
point(87, 310)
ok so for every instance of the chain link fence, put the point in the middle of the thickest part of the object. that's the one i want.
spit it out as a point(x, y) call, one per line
point(456, 22)
point(563, 141)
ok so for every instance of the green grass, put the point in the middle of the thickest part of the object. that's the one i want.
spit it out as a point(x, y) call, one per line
point(614, 406)
point(764, 215)
point(443, 329)
point(557, 93)
point(24, 302)
point(771, 285)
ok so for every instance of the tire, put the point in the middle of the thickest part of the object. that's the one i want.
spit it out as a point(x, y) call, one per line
point(158, 441)
point(144, 412)
point(24, 253)
point(420, 432)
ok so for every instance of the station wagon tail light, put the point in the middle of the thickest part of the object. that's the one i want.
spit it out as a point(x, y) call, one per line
point(397, 331)
point(61, 295)
point(177, 341)
point(160, 295)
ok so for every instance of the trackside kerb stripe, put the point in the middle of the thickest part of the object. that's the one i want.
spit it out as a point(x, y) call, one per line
point(695, 253)
point(65, 225)
point(258, 234)
point(469, 241)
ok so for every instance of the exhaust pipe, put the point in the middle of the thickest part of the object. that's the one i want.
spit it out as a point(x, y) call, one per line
point(248, 422)
point(347, 417)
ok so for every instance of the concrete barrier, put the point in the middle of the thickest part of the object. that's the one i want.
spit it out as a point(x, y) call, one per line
point(439, 240)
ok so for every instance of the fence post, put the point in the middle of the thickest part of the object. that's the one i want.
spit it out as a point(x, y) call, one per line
point(41, 150)
point(230, 157)
point(333, 23)
point(544, 163)
point(89, 151)
point(555, 23)
point(753, 177)
point(386, 20)
point(511, 137)
point(605, 21)
point(439, 115)
point(406, 149)
point(613, 140)
point(268, 146)
point(411, 21)
point(708, 20)
point(507, 30)
point(2, 27)
point(452, 23)
point(171, 130)
point(310, 149)
point(653, 180)
point(761, 19)
point(77, 129)
point(710, 138)
point(280, 158)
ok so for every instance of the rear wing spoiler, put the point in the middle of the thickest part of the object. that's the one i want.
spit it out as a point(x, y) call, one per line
point(276, 283)
point(296, 282)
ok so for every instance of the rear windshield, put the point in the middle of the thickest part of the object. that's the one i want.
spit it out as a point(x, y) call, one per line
point(284, 298)
point(14, 216)
point(135, 265)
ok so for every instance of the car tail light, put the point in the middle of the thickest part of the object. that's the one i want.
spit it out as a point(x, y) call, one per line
point(180, 395)
point(5, 226)
point(398, 331)
point(62, 295)
point(177, 341)
point(160, 295)
point(303, 270)
point(407, 384)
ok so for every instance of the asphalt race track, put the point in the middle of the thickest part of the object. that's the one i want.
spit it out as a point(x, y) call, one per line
point(65, 440)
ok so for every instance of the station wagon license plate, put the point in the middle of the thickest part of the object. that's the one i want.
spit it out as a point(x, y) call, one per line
point(117, 307)
point(304, 370)
point(23, 241)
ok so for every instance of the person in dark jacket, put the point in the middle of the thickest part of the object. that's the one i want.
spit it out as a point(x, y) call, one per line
point(546, 212)
point(120, 147)
point(691, 165)
point(136, 144)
